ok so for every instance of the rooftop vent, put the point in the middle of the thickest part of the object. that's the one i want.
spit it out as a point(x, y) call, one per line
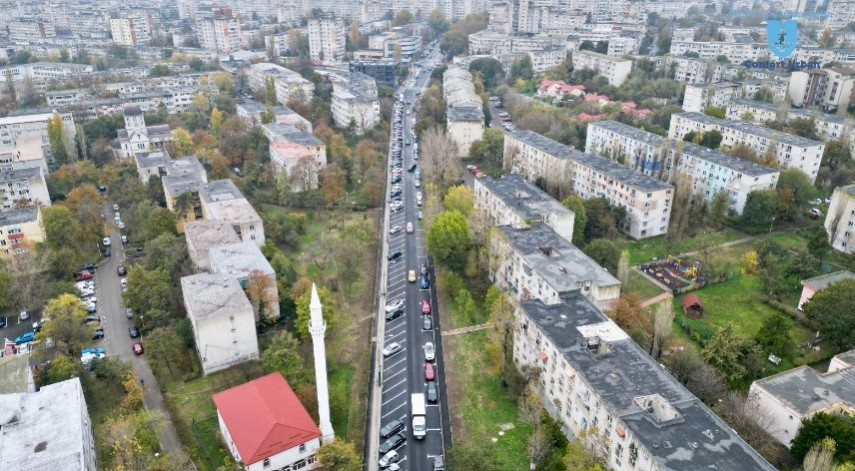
point(548, 251)
point(666, 444)
point(42, 446)
point(658, 407)
point(708, 433)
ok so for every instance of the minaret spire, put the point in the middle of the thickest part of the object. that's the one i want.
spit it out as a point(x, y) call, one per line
point(317, 327)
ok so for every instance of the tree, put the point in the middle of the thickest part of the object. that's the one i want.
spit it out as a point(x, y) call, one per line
point(58, 138)
point(404, 17)
point(489, 149)
point(216, 120)
point(448, 239)
point(490, 70)
point(304, 313)
point(283, 355)
point(627, 313)
point(522, 69)
point(623, 267)
point(662, 322)
point(575, 204)
point(724, 353)
point(799, 190)
point(165, 348)
point(61, 368)
point(834, 312)
point(459, 198)
point(602, 220)
point(339, 455)
point(821, 456)
point(261, 296)
point(333, 183)
point(438, 22)
point(716, 112)
point(774, 336)
point(759, 212)
point(160, 70)
point(439, 158)
point(817, 243)
point(604, 252)
point(711, 139)
point(66, 327)
point(579, 457)
point(821, 426)
point(270, 92)
point(159, 221)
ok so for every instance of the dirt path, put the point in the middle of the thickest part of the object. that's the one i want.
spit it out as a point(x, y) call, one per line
point(656, 299)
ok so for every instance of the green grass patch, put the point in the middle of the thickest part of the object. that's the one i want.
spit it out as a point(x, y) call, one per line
point(340, 382)
point(642, 251)
point(104, 401)
point(640, 284)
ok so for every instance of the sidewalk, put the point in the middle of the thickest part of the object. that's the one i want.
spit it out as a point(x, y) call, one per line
point(153, 400)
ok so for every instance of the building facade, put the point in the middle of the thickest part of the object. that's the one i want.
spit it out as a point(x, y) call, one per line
point(615, 69)
point(326, 40)
point(20, 230)
point(840, 220)
point(289, 85)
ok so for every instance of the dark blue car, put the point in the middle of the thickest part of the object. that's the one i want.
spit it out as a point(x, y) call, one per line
point(423, 282)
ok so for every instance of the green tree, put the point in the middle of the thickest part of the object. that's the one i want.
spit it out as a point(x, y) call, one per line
point(774, 336)
point(521, 69)
point(602, 218)
point(61, 368)
point(159, 221)
point(165, 348)
point(838, 427)
point(404, 17)
point(438, 23)
point(716, 112)
point(160, 70)
point(580, 458)
point(216, 120)
point(459, 198)
point(61, 227)
point(759, 212)
point(718, 208)
point(575, 204)
point(57, 138)
point(711, 139)
point(151, 293)
point(448, 239)
point(270, 92)
point(605, 252)
point(833, 310)
point(283, 355)
point(66, 327)
point(800, 188)
point(724, 353)
point(489, 149)
point(339, 455)
point(490, 69)
point(817, 243)
point(304, 313)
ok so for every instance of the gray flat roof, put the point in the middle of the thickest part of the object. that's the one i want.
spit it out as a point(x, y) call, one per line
point(745, 167)
point(696, 440)
point(805, 390)
point(563, 265)
point(525, 198)
point(204, 234)
point(220, 190)
point(849, 189)
point(751, 128)
point(14, 374)
point(465, 113)
point(209, 295)
point(150, 159)
point(617, 171)
point(238, 260)
point(823, 281)
point(19, 216)
point(543, 143)
point(20, 174)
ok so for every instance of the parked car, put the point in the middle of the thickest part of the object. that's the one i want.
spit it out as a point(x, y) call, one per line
point(392, 349)
point(815, 213)
point(133, 331)
point(124, 239)
point(23, 315)
point(430, 351)
point(130, 313)
point(427, 323)
point(391, 428)
point(411, 276)
point(423, 282)
point(438, 463)
point(394, 256)
point(115, 207)
point(392, 442)
point(25, 337)
point(390, 316)
point(82, 275)
point(138, 348)
point(412, 168)
point(394, 305)
point(121, 270)
point(92, 320)
point(99, 333)
point(388, 458)
point(430, 372)
point(410, 228)
point(121, 225)
point(423, 268)
point(395, 230)
point(2, 321)
point(425, 306)
point(432, 392)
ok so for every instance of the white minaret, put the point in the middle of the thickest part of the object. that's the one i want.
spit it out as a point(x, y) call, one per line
point(317, 327)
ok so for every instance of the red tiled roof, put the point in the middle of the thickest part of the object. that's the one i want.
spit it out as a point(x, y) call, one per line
point(588, 117)
point(691, 299)
point(595, 97)
point(264, 417)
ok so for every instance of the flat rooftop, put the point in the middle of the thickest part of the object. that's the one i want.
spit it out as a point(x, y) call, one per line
point(202, 235)
point(465, 113)
point(525, 198)
point(625, 175)
point(15, 374)
point(563, 265)
point(751, 128)
point(238, 260)
point(806, 391)
point(823, 281)
point(690, 438)
point(152, 159)
point(19, 216)
point(19, 174)
point(543, 143)
point(211, 295)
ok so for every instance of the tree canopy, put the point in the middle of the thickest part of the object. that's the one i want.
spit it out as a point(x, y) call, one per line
point(448, 239)
point(833, 310)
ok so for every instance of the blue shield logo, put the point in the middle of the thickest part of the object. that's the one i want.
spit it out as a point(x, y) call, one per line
point(782, 37)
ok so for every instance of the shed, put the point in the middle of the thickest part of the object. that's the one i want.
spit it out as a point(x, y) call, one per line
point(692, 306)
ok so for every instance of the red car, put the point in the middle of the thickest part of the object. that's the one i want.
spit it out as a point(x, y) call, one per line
point(121, 270)
point(430, 372)
point(425, 306)
point(138, 348)
point(83, 275)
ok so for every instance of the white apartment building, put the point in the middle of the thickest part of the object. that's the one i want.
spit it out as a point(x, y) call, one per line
point(245, 263)
point(354, 100)
point(203, 235)
point(131, 31)
point(840, 220)
point(289, 147)
point(219, 32)
point(326, 40)
point(840, 13)
point(221, 200)
point(26, 152)
point(289, 85)
point(791, 151)
point(458, 89)
point(698, 96)
point(593, 377)
point(711, 171)
point(735, 51)
point(30, 30)
point(787, 398)
point(511, 201)
point(23, 186)
point(465, 125)
point(29, 125)
point(692, 71)
point(534, 156)
point(222, 319)
point(532, 261)
point(20, 230)
point(615, 69)
point(43, 72)
point(827, 88)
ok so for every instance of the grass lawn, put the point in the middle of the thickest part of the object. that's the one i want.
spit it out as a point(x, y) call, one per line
point(104, 401)
point(641, 251)
point(639, 283)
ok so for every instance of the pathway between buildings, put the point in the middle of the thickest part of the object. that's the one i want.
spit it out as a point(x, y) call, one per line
point(463, 330)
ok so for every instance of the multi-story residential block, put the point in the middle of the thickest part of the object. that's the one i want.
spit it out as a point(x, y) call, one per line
point(264, 425)
point(532, 261)
point(202, 236)
point(383, 71)
point(28, 125)
point(245, 263)
point(355, 101)
point(458, 89)
point(42, 74)
point(790, 151)
point(30, 30)
point(221, 200)
point(326, 40)
point(827, 88)
point(129, 31)
point(511, 201)
point(840, 219)
point(222, 319)
point(24, 153)
point(711, 171)
point(20, 230)
point(465, 125)
point(736, 52)
point(48, 429)
point(299, 154)
point(253, 113)
point(593, 376)
point(402, 48)
point(24, 186)
point(840, 14)
point(289, 84)
point(184, 175)
point(138, 137)
point(699, 96)
point(787, 398)
point(219, 31)
point(691, 70)
point(615, 69)
point(534, 156)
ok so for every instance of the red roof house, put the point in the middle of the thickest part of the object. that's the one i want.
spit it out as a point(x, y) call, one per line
point(692, 305)
point(263, 423)
point(558, 88)
point(587, 118)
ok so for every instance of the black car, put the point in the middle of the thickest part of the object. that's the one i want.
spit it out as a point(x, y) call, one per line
point(432, 392)
point(397, 179)
point(99, 333)
point(133, 331)
point(392, 428)
point(412, 168)
point(90, 267)
point(393, 442)
point(2, 321)
point(395, 194)
point(390, 316)
point(427, 323)
point(394, 256)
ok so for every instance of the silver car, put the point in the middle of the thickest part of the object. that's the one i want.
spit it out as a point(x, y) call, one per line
point(392, 349)
point(430, 351)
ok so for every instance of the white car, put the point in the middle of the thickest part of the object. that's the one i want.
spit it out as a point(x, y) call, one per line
point(124, 283)
point(388, 459)
point(392, 349)
point(395, 230)
point(121, 225)
point(106, 241)
point(115, 207)
point(394, 305)
point(430, 351)
point(410, 228)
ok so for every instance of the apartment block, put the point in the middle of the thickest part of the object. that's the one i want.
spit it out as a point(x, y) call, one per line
point(510, 201)
point(698, 96)
point(221, 200)
point(23, 187)
point(615, 69)
point(184, 175)
point(354, 100)
point(593, 376)
point(219, 31)
point(129, 31)
point(737, 51)
point(31, 30)
point(222, 319)
point(691, 70)
point(26, 152)
point(289, 85)
point(787, 398)
point(840, 219)
point(711, 171)
point(20, 230)
point(326, 40)
point(245, 263)
point(31, 125)
point(826, 88)
point(840, 14)
point(458, 89)
point(253, 113)
point(465, 125)
point(534, 156)
point(791, 151)
point(289, 148)
point(532, 261)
